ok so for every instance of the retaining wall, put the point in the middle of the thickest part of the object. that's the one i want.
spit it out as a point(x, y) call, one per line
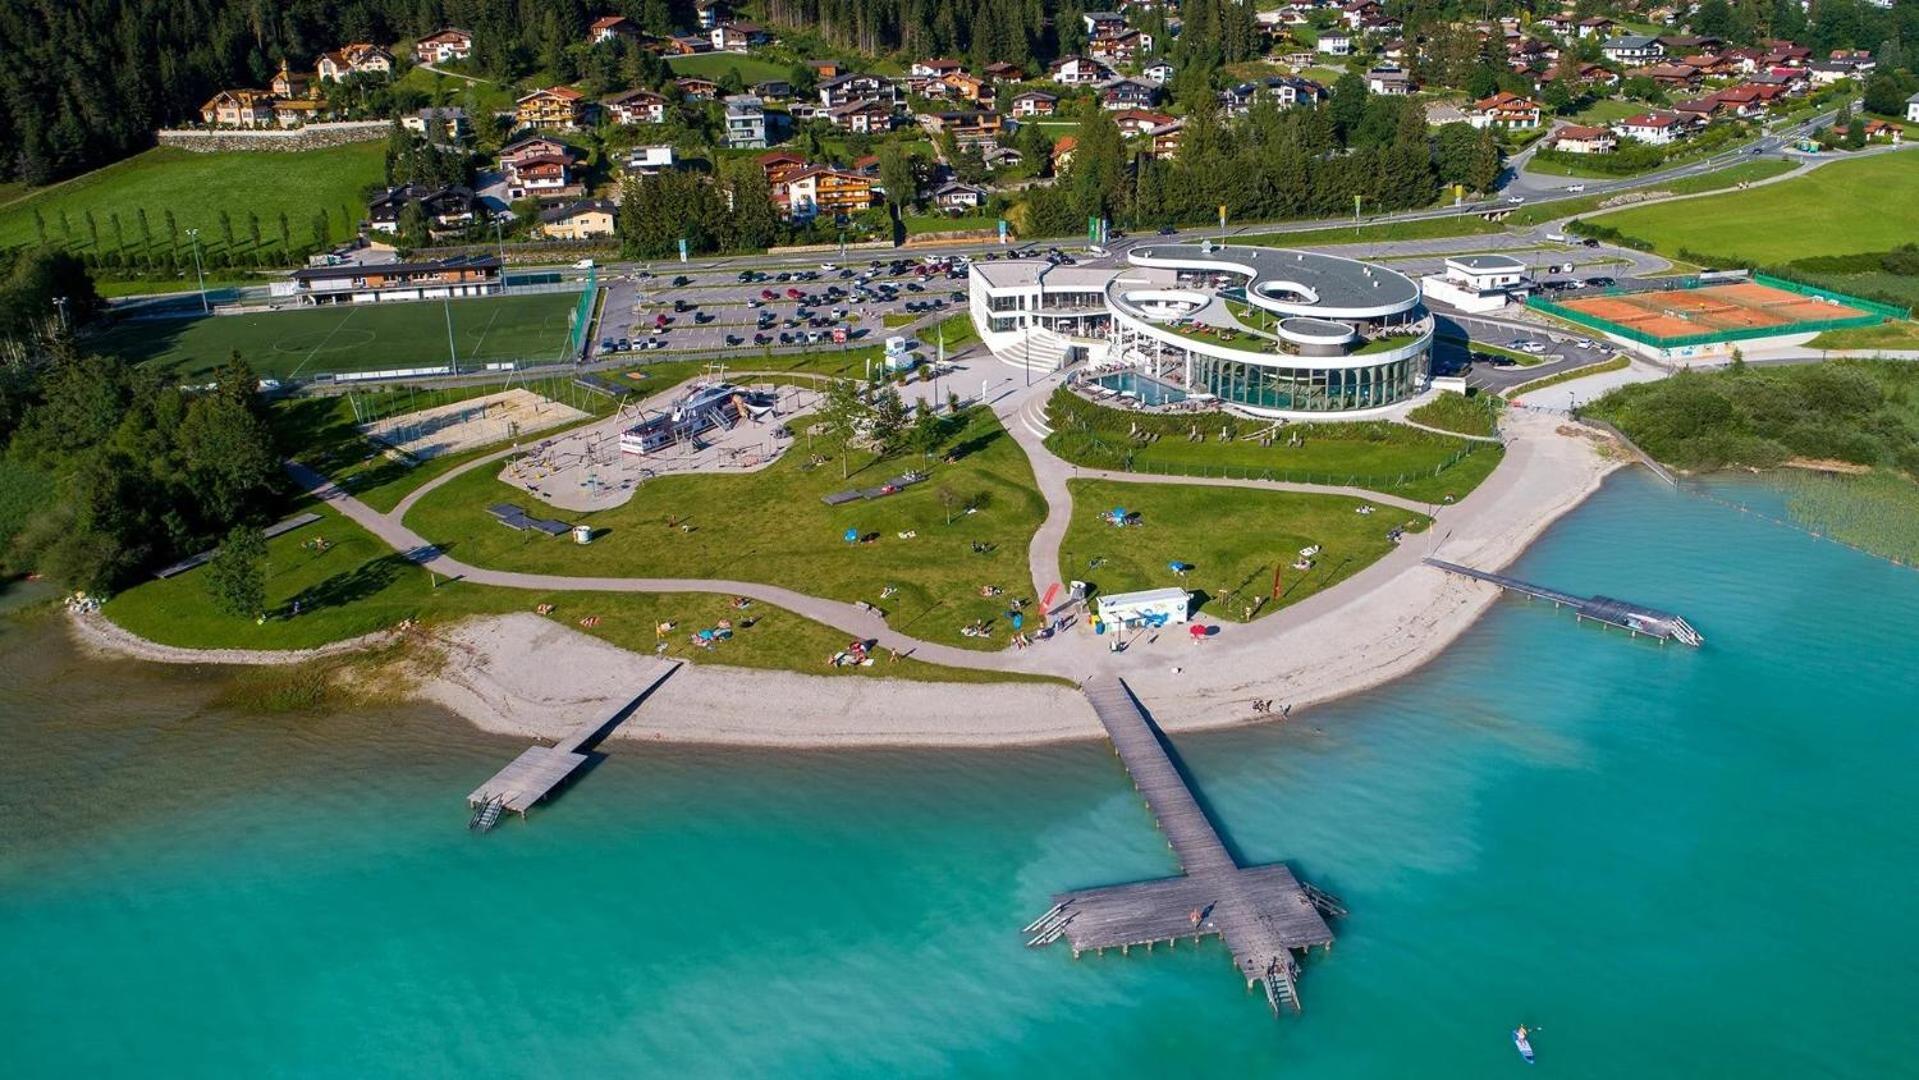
point(280, 140)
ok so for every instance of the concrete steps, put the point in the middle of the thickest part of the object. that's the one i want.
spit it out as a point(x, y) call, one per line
point(1040, 351)
point(1032, 414)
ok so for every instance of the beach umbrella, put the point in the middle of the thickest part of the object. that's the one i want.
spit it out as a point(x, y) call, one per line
point(1196, 630)
point(852, 536)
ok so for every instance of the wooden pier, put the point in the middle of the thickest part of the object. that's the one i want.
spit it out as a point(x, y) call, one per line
point(540, 770)
point(1636, 619)
point(1261, 913)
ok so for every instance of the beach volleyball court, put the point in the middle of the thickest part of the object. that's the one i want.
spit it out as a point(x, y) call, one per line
point(469, 424)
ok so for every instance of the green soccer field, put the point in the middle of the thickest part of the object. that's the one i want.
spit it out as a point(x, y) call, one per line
point(309, 342)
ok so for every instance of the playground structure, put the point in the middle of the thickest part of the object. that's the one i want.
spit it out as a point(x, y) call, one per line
point(1703, 317)
point(705, 407)
point(470, 424)
point(589, 468)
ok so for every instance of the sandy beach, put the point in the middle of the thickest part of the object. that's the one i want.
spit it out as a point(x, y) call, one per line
point(526, 675)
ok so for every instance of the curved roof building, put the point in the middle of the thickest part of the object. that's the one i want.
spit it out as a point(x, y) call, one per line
point(1267, 331)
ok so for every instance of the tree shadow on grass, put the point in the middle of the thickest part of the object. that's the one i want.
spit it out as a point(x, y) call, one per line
point(360, 583)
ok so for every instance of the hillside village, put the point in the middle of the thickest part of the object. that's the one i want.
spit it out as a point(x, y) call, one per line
point(729, 132)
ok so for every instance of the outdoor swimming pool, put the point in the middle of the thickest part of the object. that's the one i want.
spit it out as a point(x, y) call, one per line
point(1149, 391)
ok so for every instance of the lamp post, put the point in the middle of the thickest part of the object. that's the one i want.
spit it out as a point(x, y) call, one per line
point(60, 303)
point(193, 235)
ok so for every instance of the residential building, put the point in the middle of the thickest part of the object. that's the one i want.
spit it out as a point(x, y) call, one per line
point(689, 44)
point(1668, 76)
point(1598, 26)
point(1165, 139)
point(817, 190)
point(1158, 72)
point(695, 88)
point(445, 124)
point(1335, 43)
point(856, 87)
point(1127, 94)
point(297, 112)
point(291, 84)
point(1503, 110)
point(611, 27)
point(366, 283)
point(359, 58)
point(647, 161)
point(1884, 131)
point(1656, 127)
point(540, 167)
point(447, 207)
point(934, 69)
point(1078, 71)
point(1035, 103)
point(1133, 122)
point(1001, 71)
point(745, 122)
point(559, 107)
point(1633, 50)
point(443, 46)
point(773, 90)
point(1122, 48)
point(861, 117)
point(970, 126)
point(1912, 108)
point(635, 107)
point(1577, 139)
point(969, 87)
point(239, 109)
point(1390, 81)
point(738, 36)
point(712, 13)
point(1063, 152)
point(954, 197)
point(589, 219)
point(1102, 24)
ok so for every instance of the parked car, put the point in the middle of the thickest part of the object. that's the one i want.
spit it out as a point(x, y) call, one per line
point(1168, 230)
point(1533, 347)
point(1576, 188)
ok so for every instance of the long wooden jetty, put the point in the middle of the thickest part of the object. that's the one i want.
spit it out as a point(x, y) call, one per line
point(540, 770)
point(1636, 619)
point(1262, 913)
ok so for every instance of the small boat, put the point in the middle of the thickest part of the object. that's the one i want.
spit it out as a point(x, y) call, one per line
point(1524, 1047)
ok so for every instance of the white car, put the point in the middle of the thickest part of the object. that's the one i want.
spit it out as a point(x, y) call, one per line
point(1533, 347)
point(1576, 188)
point(1516, 199)
point(1587, 343)
point(828, 267)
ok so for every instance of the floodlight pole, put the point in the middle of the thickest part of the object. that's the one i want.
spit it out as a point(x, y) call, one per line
point(60, 303)
point(194, 236)
point(452, 354)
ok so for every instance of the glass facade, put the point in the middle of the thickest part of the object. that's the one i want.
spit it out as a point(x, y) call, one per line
point(1307, 389)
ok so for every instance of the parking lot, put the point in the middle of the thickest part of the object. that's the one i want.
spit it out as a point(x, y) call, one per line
point(825, 303)
point(1556, 350)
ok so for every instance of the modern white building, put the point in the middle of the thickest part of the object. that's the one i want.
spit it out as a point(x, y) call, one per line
point(1478, 283)
point(1261, 331)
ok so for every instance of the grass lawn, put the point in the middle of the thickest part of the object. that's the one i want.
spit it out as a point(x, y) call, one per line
point(772, 527)
point(1844, 208)
point(1232, 568)
point(22, 491)
point(1475, 415)
point(479, 97)
point(1378, 455)
point(1423, 229)
point(352, 337)
point(358, 585)
point(197, 187)
point(716, 65)
point(919, 224)
point(1744, 172)
point(183, 284)
point(1605, 111)
point(1887, 335)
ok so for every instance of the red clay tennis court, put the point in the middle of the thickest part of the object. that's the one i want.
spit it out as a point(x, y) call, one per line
point(1744, 305)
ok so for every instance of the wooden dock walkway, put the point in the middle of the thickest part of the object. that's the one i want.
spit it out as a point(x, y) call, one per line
point(540, 770)
point(1262, 913)
point(1634, 618)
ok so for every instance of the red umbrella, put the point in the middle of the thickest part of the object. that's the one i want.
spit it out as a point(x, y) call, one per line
point(1196, 630)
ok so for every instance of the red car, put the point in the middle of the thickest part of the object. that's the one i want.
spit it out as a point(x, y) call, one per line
point(794, 294)
point(659, 322)
point(769, 294)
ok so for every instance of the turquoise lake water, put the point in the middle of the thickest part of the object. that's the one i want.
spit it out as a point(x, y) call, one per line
point(1673, 862)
